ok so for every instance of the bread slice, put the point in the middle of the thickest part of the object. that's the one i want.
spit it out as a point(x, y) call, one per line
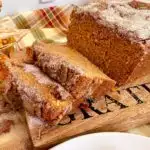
point(42, 100)
point(72, 70)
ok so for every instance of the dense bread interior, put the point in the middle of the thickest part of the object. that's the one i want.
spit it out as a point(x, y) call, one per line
point(74, 59)
point(108, 47)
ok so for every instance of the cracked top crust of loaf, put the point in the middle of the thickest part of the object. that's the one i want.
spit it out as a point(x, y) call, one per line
point(123, 18)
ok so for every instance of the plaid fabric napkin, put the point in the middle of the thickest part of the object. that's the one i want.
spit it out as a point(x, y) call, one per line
point(24, 28)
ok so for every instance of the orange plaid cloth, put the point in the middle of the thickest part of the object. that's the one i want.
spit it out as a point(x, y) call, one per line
point(52, 17)
point(24, 28)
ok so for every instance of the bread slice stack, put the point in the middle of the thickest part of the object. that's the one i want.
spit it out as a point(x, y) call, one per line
point(47, 101)
point(56, 82)
point(77, 80)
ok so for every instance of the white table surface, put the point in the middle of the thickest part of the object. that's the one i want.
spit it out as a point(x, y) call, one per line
point(14, 6)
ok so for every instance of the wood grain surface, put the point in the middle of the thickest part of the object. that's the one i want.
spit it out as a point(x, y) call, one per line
point(121, 110)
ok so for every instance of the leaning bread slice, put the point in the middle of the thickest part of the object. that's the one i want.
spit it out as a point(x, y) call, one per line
point(72, 70)
point(39, 99)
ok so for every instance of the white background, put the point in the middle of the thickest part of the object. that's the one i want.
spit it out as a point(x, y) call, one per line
point(13, 6)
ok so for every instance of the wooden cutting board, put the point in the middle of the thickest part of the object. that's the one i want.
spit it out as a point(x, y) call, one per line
point(121, 110)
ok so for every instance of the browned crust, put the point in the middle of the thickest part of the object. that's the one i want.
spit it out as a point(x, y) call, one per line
point(78, 84)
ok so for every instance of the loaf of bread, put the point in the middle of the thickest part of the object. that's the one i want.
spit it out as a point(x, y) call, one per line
point(72, 70)
point(48, 101)
point(114, 36)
